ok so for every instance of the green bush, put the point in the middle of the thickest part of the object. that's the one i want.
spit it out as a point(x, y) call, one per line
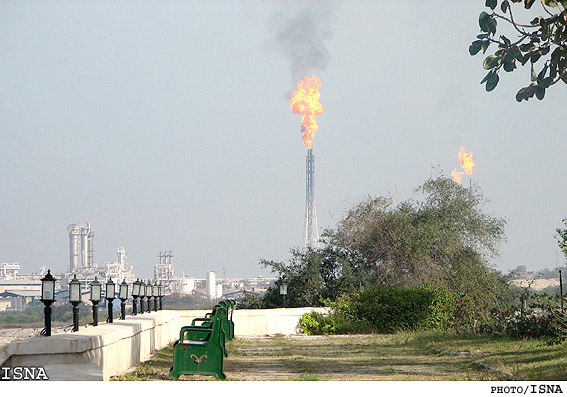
point(322, 324)
point(391, 309)
point(385, 310)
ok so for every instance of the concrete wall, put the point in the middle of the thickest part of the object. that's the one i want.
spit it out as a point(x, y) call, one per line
point(97, 353)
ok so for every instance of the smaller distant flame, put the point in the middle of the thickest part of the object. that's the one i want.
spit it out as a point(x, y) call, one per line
point(306, 102)
point(457, 176)
point(466, 160)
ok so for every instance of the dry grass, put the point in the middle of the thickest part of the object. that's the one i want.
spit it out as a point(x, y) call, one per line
point(352, 358)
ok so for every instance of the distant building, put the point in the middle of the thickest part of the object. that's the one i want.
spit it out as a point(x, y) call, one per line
point(9, 270)
point(16, 294)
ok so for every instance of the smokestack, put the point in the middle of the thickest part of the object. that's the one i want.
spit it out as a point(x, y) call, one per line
point(311, 228)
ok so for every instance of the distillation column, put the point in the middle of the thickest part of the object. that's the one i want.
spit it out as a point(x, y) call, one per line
point(73, 247)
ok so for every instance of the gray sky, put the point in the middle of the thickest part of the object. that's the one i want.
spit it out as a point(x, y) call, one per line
point(167, 126)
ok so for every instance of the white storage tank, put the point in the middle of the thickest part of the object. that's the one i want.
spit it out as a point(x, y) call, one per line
point(211, 289)
point(186, 285)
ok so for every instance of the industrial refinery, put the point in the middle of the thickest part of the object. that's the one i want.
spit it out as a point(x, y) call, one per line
point(17, 291)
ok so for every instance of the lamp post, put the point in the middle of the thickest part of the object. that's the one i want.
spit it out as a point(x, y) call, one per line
point(160, 293)
point(75, 299)
point(155, 293)
point(283, 292)
point(123, 296)
point(110, 295)
point(135, 295)
point(149, 292)
point(142, 295)
point(47, 297)
point(95, 299)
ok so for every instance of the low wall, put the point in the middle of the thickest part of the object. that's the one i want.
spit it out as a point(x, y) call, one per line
point(97, 353)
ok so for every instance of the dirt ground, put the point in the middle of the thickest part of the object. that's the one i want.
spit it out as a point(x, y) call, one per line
point(341, 358)
point(9, 335)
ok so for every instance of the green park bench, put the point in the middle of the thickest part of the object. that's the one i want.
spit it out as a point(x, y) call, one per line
point(229, 306)
point(227, 324)
point(200, 350)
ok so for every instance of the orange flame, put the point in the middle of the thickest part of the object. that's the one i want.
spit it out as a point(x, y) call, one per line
point(457, 176)
point(466, 160)
point(306, 102)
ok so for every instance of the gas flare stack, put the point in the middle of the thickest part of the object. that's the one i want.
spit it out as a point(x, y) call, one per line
point(305, 101)
point(311, 228)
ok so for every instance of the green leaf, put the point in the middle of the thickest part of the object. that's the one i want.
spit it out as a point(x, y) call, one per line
point(509, 65)
point(505, 5)
point(550, 3)
point(482, 21)
point(564, 77)
point(527, 47)
point(545, 83)
point(492, 61)
point(535, 56)
point(525, 93)
point(528, 3)
point(492, 81)
point(539, 92)
point(487, 23)
point(491, 4)
point(475, 47)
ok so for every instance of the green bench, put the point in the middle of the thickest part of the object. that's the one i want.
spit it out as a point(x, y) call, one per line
point(227, 324)
point(201, 349)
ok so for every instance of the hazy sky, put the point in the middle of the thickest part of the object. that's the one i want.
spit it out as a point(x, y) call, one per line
point(167, 126)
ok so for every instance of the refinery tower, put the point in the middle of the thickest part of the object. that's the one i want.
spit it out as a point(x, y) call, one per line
point(81, 246)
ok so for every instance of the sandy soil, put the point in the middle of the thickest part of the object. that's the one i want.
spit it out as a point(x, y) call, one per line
point(537, 284)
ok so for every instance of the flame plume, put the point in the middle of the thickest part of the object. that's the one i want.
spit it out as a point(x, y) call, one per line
point(466, 160)
point(457, 176)
point(306, 102)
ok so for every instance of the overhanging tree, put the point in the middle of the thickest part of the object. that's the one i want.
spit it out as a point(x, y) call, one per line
point(541, 41)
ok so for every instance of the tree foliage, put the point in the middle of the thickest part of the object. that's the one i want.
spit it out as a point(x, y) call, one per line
point(440, 238)
point(540, 41)
point(316, 274)
point(561, 238)
point(425, 239)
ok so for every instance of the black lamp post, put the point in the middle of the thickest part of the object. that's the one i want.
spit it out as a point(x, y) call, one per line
point(142, 296)
point(123, 296)
point(135, 295)
point(283, 292)
point(75, 299)
point(149, 292)
point(47, 297)
point(160, 293)
point(110, 295)
point(155, 294)
point(96, 290)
